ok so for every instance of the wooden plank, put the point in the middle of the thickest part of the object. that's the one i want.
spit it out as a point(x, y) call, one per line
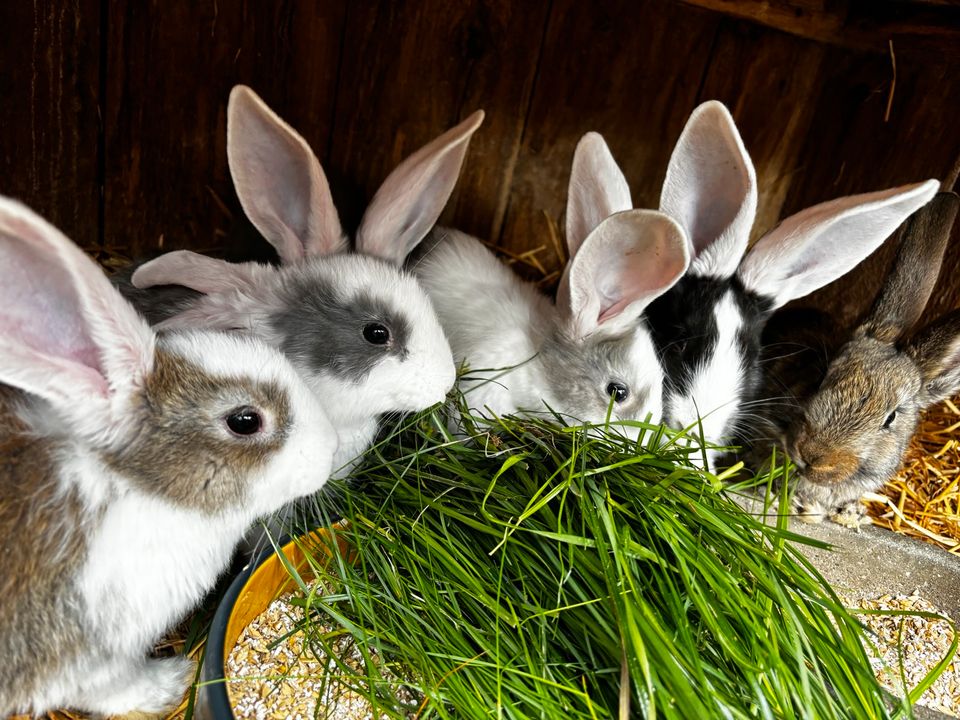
point(49, 112)
point(170, 69)
point(855, 24)
point(852, 147)
point(770, 82)
point(411, 70)
point(612, 68)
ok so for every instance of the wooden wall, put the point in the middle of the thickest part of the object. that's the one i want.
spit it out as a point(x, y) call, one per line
point(113, 112)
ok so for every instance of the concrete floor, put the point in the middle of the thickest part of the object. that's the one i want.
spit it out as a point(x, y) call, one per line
point(875, 561)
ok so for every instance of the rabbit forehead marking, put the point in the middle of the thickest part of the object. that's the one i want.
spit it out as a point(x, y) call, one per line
point(43, 521)
point(708, 332)
point(183, 451)
point(322, 328)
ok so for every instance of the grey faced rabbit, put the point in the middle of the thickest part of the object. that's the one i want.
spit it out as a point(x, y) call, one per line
point(359, 328)
point(588, 352)
point(131, 464)
point(849, 432)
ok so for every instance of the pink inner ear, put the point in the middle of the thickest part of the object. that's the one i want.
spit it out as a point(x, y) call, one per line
point(44, 317)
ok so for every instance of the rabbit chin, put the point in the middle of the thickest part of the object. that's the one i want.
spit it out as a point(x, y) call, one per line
point(411, 384)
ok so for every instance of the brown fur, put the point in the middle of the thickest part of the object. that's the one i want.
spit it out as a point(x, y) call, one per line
point(838, 435)
point(42, 536)
point(212, 467)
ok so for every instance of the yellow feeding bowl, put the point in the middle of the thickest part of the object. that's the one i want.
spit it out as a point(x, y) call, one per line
point(250, 593)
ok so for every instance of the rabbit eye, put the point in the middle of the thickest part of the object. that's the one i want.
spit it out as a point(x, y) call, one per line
point(376, 334)
point(890, 418)
point(244, 421)
point(618, 391)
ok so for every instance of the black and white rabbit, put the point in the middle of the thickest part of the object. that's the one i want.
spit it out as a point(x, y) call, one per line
point(359, 328)
point(529, 354)
point(708, 325)
point(851, 424)
point(131, 464)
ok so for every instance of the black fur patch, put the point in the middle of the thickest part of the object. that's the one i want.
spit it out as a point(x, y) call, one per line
point(325, 330)
point(684, 327)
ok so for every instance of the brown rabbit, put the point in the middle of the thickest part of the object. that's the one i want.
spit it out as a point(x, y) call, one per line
point(851, 424)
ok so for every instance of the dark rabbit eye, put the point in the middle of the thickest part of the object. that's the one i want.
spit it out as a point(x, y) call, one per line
point(376, 334)
point(890, 418)
point(244, 421)
point(618, 391)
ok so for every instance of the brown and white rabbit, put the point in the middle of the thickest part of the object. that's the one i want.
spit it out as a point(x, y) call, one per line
point(529, 354)
point(357, 326)
point(851, 429)
point(131, 464)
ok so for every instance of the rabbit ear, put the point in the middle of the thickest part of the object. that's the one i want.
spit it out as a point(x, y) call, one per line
point(936, 350)
point(817, 245)
point(279, 181)
point(66, 334)
point(197, 272)
point(412, 197)
point(907, 288)
point(711, 190)
point(597, 189)
point(629, 259)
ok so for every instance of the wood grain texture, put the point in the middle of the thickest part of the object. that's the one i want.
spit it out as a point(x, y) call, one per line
point(767, 79)
point(50, 55)
point(852, 147)
point(413, 69)
point(171, 66)
point(611, 68)
point(855, 24)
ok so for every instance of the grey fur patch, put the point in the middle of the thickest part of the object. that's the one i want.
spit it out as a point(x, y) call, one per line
point(581, 372)
point(323, 329)
point(182, 451)
point(157, 303)
point(42, 544)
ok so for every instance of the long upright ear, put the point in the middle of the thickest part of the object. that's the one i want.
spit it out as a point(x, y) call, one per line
point(279, 181)
point(412, 197)
point(907, 288)
point(629, 260)
point(597, 189)
point(817, 245)
point(198, 272)
point(936, 350)
point(711, 190)
point(66, 334)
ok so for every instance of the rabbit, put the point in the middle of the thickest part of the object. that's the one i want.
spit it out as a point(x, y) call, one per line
point(131, 463)
point(589, 349)
point(707, 327)
point(854, 421)
point(360, 329)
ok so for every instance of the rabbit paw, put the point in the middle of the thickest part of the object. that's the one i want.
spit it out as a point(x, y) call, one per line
point(149, 690)
point(808, 511)
point(852, 515)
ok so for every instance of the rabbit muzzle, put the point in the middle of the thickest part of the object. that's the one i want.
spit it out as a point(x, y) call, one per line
point(830, 467)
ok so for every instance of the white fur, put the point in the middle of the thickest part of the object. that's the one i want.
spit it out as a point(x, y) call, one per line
point(418, 381)
point(497, 324)
point(148, 561)
point(710, 188)
point(814, 247)
point(284, 191)
point(712, 400)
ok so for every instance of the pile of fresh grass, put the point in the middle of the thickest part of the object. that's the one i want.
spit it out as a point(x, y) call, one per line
point(542, 571)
